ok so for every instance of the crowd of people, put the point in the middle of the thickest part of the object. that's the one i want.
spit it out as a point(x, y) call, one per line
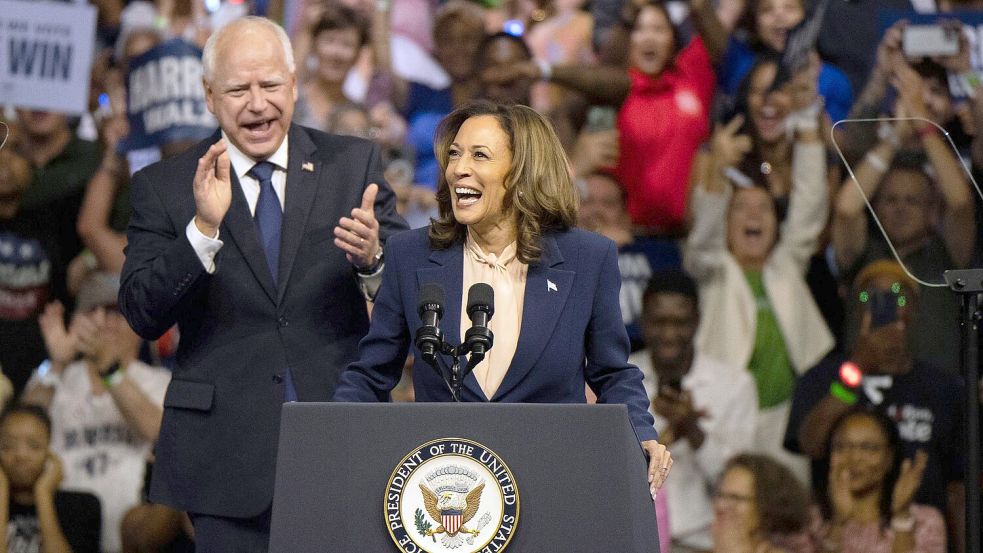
point(798, 368)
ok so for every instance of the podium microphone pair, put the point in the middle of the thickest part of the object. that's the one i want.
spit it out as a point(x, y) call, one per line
point(477, 340)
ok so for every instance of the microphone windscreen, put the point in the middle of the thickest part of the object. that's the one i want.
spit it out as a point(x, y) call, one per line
point(481, 296)
point(431, 299)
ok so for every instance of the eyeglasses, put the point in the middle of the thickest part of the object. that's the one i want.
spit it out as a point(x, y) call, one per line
point(727, 497)
point(872, 448)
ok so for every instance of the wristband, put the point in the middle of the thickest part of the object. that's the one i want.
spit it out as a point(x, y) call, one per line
point(903, 523)
point(113, 375)
point(876, 162)
point(927, 130)
point(840, 392)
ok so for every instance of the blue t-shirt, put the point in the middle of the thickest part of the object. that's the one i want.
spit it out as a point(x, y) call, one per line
point(425, 107)
point(637, 261)
point(834, 86)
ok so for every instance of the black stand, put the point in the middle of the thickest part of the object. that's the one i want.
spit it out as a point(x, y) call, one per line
point(453, 376)
point(968, 283)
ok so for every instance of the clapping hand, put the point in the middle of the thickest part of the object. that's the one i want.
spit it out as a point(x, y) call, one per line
point(61, 343)
point(212, 188)
point(909, 479)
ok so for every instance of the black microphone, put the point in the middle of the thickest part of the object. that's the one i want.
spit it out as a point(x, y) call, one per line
point(431, 309)
point(481, 307)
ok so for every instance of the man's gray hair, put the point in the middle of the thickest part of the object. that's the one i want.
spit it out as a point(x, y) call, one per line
point(208, 55)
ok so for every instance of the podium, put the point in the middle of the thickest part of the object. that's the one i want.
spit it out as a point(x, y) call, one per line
point(580, 474)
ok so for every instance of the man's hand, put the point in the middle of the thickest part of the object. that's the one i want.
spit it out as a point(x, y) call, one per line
point(213, 189)
point(62, 344)
point(660, 461)
point(358, 236)
point(47, 484)
point(683, 416)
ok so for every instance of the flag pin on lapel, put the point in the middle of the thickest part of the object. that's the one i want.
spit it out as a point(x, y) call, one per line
point(550, 286)
point(307, 166)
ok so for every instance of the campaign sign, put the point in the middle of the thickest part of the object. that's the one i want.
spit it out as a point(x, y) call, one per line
point(165, 100)
point(45, 54)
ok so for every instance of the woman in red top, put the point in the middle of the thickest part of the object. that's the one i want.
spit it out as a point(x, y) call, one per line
point(664, 106)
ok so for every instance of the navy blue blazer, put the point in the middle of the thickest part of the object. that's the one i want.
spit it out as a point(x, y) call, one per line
point(216, 451)
point(571, 332)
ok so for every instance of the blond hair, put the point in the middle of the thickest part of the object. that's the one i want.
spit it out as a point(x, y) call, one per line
point(539, 191)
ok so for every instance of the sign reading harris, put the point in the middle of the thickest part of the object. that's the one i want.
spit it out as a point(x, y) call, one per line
point(165, 100)
point(451, 494)
point(45, 54)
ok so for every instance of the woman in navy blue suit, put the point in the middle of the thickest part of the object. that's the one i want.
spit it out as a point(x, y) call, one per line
point(507, 208)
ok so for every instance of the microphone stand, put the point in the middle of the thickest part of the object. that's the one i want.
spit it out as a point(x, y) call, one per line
point(968, 284)
point(453, 376)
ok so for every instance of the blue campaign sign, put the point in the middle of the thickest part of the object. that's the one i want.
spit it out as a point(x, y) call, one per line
point(165, 100)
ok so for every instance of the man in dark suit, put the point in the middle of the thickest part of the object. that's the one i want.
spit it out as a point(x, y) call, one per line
point(230, 240)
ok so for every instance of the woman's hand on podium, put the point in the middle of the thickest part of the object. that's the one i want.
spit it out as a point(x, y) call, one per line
point(660, 461)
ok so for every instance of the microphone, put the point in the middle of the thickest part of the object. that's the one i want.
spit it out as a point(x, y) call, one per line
point(430, 309)
point(481, 307)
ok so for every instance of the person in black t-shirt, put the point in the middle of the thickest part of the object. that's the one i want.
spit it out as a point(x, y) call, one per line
point(35, 513)
point(924, 402)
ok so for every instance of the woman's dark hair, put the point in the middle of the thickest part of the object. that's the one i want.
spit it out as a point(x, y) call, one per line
point(890, 430)
point(337, 17)
point(538, 189)
point(631, 12)
point(31, 410)
point(782, 502)
point(502, 35)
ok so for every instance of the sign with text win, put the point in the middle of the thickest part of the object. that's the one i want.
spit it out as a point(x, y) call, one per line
point(45, 54)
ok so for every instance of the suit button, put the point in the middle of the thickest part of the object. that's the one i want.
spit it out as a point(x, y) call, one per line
point(282, 322)
point(277, 379)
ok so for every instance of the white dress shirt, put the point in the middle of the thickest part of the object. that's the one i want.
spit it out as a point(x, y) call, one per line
point(729, 397)
point(208, 246)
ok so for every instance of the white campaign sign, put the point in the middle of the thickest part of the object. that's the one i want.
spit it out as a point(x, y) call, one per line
point(45, 54)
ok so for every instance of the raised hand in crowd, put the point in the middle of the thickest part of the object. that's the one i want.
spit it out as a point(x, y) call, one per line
point(909, 480)
point(595, 150)
point(727, 149)
point(61, 342)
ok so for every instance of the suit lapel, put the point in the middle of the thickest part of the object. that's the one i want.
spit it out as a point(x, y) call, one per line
point(241, 227)
point(449, 272)
point(547, 289)
point(303, 173)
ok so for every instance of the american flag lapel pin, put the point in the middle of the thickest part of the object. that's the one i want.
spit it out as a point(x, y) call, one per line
point(307, 166)
point(550, 286)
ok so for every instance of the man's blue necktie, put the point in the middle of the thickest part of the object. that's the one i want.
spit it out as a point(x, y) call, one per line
point(269, 220)
point(269, 215)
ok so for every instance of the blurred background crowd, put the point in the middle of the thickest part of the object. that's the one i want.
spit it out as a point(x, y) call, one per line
point(808, 388)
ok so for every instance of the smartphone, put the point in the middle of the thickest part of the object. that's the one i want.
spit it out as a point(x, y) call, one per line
point(921, 41)
point(601, 118)
point(883, 308)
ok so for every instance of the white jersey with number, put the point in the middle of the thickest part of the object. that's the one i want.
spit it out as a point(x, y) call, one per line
point(102, 454)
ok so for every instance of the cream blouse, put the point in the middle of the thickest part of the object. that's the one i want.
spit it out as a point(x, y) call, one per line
point(507, 277)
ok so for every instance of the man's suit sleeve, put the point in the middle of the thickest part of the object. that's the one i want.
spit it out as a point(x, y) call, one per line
point(161, 270)
point(382, 352)
point(608, 372)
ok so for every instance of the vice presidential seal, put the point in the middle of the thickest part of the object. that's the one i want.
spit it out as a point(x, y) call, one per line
point(451, 494)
